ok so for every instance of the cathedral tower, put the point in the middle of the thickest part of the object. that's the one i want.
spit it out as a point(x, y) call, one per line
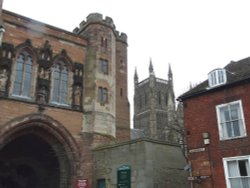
point(154, 106)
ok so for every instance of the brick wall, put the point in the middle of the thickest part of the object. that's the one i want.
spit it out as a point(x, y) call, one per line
point(18, 30)
point(69, 122)
point(199, 117)
point(122, 103)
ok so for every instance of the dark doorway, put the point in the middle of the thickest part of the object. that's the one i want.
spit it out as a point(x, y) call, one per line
point(101, 183)
point(29, 162)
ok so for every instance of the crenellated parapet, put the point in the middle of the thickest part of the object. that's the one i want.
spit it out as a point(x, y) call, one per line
point(97, 18)
point(121, 36)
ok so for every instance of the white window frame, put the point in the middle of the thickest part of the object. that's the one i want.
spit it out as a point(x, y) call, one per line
point(242, 128)
point(237, 171)
point(217, 77)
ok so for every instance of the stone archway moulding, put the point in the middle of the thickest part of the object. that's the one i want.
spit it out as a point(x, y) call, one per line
point(18, 126)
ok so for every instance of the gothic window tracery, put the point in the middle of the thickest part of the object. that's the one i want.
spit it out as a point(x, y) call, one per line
point(60, 83)
point(36, 75)
point(23, 74)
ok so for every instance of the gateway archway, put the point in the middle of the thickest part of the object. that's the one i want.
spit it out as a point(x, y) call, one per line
point(37, 153)
point(28, 161)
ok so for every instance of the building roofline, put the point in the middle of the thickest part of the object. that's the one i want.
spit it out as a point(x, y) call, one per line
point(188, 95)
point(237, 72)
point(39, 22)
point(144, 139)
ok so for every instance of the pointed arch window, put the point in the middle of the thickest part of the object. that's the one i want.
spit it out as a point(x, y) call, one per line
point(60, 83)
point(23, 75)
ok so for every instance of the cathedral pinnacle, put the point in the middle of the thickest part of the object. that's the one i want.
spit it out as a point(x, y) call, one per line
point(136, 76)
point(151, 68)
point(170, 74)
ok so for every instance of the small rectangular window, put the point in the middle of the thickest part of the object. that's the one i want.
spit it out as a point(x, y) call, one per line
point(103, 66)
point(237, 171)
point(217, 77)
point(230, 120)
point(102, 95)
point(104, 42)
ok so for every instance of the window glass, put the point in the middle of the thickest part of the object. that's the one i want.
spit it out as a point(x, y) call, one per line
point(237, 172)
point(17, 88)
point(103, 66)
point(232, 168)
point(243, 167)
point(213, 78)
point(60, 83)
point(220, 76)
point(235, 111)
point(102, 95)
point(56, 90)
point(105, 95)
point(23, 75)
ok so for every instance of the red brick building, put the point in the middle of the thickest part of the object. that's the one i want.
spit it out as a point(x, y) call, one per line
point(61, 95)
point(217, 120)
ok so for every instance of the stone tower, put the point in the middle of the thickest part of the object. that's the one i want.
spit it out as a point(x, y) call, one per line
point(154, 106)
point(105, 78)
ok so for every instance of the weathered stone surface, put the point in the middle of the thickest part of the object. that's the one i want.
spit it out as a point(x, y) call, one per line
point(153, 163)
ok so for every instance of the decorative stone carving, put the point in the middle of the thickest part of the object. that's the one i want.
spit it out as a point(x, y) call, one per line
point(42, 95)
point(78, 86)
point(43, 79)
point(6, 54)
point(3, 79)
point(44, 73)
point(77, 96)
point(45, 54)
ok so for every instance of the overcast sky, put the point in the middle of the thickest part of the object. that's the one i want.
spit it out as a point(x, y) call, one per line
point(194, 36)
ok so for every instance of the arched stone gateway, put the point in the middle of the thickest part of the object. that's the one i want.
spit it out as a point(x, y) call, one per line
point(37, 152)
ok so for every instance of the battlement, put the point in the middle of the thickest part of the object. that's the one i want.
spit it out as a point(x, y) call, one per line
point(97, 18)
point(121, 36)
